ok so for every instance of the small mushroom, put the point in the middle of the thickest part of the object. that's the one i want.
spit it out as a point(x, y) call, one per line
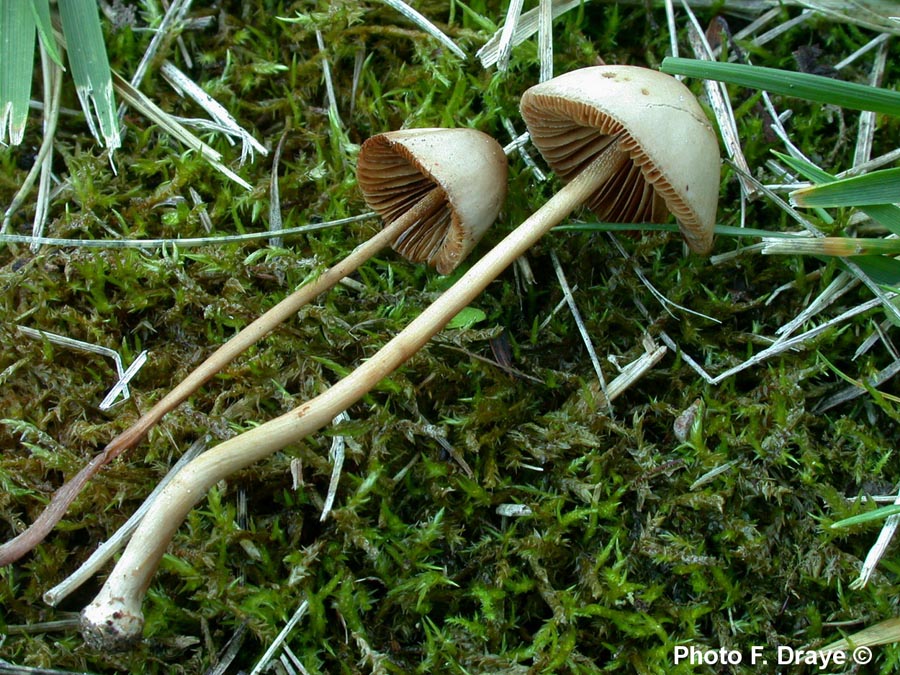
point(115, 615)
point(438, 190)
point(398, 168)
point(662, 154)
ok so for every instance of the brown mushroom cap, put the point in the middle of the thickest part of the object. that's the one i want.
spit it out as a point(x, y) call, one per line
point(673, 152)
point(398, 168)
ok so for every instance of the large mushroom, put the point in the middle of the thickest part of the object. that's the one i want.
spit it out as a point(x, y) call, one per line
point(437, 190)
point(114, 617)
point(647, 131)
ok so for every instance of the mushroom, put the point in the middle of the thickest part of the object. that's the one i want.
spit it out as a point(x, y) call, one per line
point(662, 151)
point(398, 169)
point(421, 181)
point(617, 157)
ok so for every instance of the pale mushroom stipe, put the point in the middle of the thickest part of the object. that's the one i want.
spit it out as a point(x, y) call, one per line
point(592, 142)
point(420, 181)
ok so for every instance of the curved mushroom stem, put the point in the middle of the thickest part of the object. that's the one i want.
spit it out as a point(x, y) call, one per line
point(25, 541)
point(114, 619)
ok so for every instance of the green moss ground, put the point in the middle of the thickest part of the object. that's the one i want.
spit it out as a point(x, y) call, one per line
point(620, 559)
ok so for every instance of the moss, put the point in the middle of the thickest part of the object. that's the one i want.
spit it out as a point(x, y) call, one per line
point(634, 544)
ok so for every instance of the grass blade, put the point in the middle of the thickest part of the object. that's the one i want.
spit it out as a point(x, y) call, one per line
point(140, 103)
point(720, 230)
point(881, 269)
point(887, 215)
point(882, 633)
point(16, 64)
point(841, 247)
point(526, 27)
point(875, 514)
point(799, 85)
point(426, 25)
point(878, 187)
point(45, 30)
point(90, 69)
point(805, 168)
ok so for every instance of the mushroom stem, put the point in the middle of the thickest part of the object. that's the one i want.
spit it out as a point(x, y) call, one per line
point(275, 316)
point(114, 620)
point(25, 541)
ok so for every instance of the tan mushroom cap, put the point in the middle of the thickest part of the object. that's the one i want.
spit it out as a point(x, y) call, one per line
point(673, 152)
point(398, 168)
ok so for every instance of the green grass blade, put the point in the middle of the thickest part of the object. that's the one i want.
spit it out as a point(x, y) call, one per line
point(868, 516)
point(881, 269)
point(90, 68)
point(41, 13)
point(877, 187)
point(887, 215)
point(16, 64)
point(720, 230)
point(805, 168)
point(799, 85)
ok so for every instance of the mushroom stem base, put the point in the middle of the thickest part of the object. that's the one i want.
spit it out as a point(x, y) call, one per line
point(112, 623)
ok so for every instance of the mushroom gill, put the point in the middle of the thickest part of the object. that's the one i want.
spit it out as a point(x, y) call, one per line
point(393, 186)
